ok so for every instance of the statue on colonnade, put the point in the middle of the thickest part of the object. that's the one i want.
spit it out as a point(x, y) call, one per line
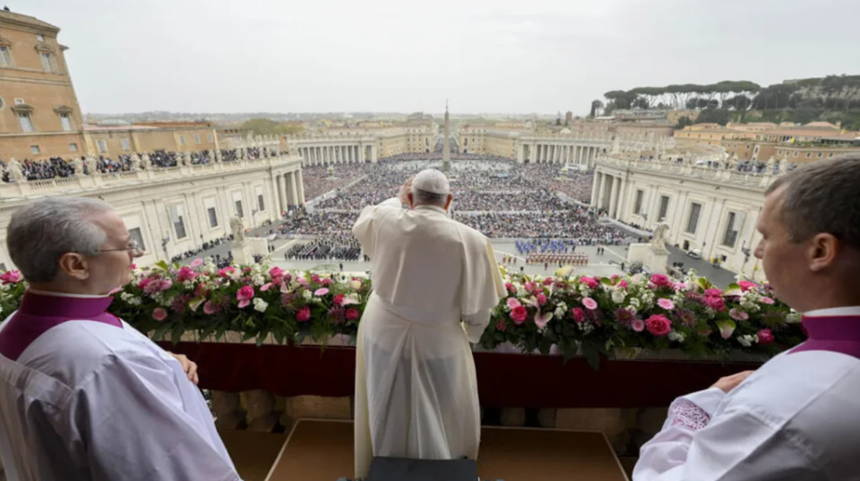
point(658, 241)
point(78, 165)
point(92, 166)
point(135, 162)
point(238, 229)
point(145, 162)
point(15, 171)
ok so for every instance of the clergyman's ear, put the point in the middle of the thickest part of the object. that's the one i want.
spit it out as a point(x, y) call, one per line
point(74, 265)
point(823, 251)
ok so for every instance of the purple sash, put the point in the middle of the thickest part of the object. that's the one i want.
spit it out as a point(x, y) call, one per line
point(39, 313)
point(832, 333)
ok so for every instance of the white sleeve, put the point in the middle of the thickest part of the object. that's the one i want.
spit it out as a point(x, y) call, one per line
point(738, 445)
point(135, 427)
point(363, 228)
point(475, 324)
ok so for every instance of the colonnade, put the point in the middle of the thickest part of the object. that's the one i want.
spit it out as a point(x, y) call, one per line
point(337, 154)
point(607, 193)
point(289, 189)
point(559, 153)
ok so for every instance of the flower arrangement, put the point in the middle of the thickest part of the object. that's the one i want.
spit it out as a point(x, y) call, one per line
point(571, 314)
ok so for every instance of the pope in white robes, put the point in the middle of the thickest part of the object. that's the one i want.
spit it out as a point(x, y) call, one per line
point(435, 282)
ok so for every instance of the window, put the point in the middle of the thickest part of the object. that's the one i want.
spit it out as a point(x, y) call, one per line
point(137, 236)
point(210, 138)
point(124, 143)
point(47, 62)
point(239, 211)
point(637, 207)
point(24, 119)
point(733, 227)
point(73, 147)
point(830, 154)
point(213, 217)
point(795, 154)
point(66, 122)
point(181, 140)
point(40, 37)
point(693, 220)
point(664, 208)
point(261, 206)
point(808, 155)
point(177, 213)
point(5, 57)
point(820, 154)
point(196, 138)
point(102, 146)
point(34, 149)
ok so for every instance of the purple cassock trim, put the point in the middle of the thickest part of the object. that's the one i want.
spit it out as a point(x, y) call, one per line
point(832, 333)
point(38, 313)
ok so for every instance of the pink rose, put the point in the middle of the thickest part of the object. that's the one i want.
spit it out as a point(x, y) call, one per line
point(186, 274)
point(246, 270)
point(338, 300)
point(747, 285)
point(209, 308)
point(265, 287)
point(679, 286)
point(11, 277)
point(226, 272)
point(547, 281)
point(321, 292)
point(304, 314)
point(623, 284)
point(159, 314)
point(638, 325)
point(530, 286)
point(352, 314)
point(327, 282)
point(144, 282)
point(302, 281)
point(666, 304)
point(715, 303)
point(541, 299)
point(510, 287)
point(768, 301)
point(661, 280)
point(658, 325)
point(512, 302)
point(578, 314)
point(738, 315)
point(519, 314)
point(589, 303)
point(315, 278)
point(765, 336)
point(196, 263)
point(501, 325)
point(713, 293)
point(244, 296)
point(276, 272)
point(589, 281)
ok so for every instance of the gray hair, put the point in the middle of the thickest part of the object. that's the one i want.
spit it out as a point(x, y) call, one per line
point(823, 197)
point(44, 230)
point(431, 198)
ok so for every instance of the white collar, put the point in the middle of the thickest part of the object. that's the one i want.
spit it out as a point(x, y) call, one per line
point(66, 294)
point(834, 311)
point(431, 207)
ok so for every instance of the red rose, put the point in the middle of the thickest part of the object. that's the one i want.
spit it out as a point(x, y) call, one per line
point(715, 303)
point(304, 314)
point(661, 280)
point(541, 298)
point(765, 336)
point(578, 314)
point(338, 300)
point(747, 285)
point(510, 287)
point(658, 325)
point(352, 314)
point(519, 314)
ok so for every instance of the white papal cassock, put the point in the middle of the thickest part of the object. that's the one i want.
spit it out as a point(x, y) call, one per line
point(416, 393)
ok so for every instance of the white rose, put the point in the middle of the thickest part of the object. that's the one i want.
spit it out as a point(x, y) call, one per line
point(236, 274)
point(635, 303)
point(747, 340)
point(260, 305)
point(559, 312)
point(676, 336)
point(793, 317)
point(306, 295)
point(618, 296)
point(258, 280)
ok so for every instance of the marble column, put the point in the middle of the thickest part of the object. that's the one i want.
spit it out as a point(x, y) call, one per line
point(300, 187)
point(613, 201)
point(282, 199)
point(602, 193)
point(277, 198)
point(595, 187)
point(361, 153)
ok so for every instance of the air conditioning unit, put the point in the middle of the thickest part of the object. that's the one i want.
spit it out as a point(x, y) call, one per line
point(19, 101)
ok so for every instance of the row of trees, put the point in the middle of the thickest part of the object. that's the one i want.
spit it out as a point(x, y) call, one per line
point(834, 92)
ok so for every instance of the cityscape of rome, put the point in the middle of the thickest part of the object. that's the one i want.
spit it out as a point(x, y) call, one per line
point(242, 143)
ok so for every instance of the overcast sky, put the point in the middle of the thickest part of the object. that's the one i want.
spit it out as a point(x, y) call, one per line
point(494, 56)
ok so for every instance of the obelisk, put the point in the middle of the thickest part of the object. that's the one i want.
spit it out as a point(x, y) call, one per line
point(446, 145)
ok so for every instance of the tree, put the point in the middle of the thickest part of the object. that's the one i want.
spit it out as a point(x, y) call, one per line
point(596, 105)
point(738, 102)
point(270, 127)
point(683, 122)
point(620, 98)
point(716, 116)
point(640, 103)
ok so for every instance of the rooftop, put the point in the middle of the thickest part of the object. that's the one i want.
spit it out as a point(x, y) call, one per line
point(17, 18)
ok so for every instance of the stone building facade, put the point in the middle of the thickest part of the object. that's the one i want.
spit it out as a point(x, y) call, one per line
point(173, 210)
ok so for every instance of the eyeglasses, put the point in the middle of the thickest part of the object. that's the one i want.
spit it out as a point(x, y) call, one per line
point(133, 246)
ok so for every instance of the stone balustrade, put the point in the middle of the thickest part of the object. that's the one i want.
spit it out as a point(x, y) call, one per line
point(699, 172)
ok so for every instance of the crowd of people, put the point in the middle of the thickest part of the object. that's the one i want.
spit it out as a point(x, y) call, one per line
point(543, 246)
point(343, 247)
point(58, 167)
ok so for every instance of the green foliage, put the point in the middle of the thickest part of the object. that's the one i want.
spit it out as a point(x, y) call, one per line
point(683, 122)
point(717, 116)
point(270, 127)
